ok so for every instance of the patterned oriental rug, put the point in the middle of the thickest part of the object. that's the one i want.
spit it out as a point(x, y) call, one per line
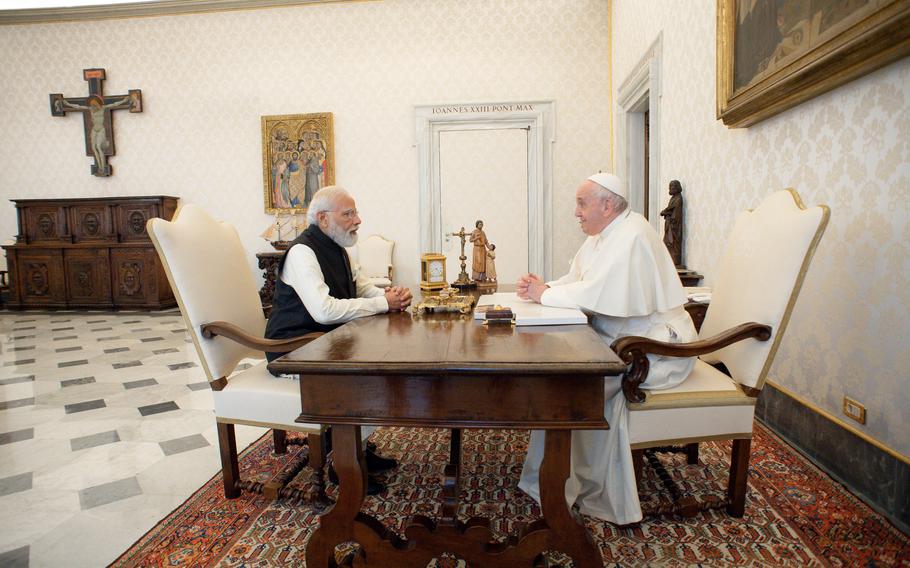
point(795, 514)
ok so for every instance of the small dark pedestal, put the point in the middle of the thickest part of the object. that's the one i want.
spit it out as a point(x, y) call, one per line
point(688, 277)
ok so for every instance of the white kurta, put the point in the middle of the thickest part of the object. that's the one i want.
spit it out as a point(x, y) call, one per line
point(624, 279)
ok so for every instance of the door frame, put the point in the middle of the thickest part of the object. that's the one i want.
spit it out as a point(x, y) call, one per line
point(537, 117)
point(640, 92)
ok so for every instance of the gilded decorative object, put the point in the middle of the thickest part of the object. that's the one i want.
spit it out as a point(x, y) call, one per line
point(772, 56)
point(447, 301)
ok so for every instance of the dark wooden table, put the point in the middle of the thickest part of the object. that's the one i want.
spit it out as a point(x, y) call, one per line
point(447, 370)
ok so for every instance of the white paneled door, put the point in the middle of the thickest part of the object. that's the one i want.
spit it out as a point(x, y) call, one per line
point(484, 175)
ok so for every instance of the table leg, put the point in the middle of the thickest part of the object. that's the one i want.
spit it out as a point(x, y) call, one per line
point(568, 534)
point(337, 524)
point(452, 479)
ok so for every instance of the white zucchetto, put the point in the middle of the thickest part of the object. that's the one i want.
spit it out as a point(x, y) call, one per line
point(610, 182)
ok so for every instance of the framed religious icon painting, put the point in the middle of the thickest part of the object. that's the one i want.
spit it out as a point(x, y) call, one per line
point(775, 54)
point(298, 158)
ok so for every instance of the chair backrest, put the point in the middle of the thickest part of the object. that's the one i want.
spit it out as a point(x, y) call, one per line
point(209, 273)
point(759, 279)
point(374, 254)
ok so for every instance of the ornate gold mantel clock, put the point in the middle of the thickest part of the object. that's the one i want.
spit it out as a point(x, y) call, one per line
point(432, 271)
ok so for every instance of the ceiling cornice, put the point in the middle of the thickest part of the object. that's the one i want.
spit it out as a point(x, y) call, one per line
point(141, 9)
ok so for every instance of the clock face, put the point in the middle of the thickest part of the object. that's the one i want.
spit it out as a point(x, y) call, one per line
point(436, 269)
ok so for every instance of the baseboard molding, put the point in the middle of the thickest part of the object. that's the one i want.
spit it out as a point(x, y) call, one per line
point(872, 473)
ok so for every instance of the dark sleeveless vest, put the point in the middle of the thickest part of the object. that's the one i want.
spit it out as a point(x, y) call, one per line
point(289, 317)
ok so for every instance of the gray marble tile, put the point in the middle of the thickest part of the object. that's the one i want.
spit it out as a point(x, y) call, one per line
point(198, 386)
point(22, 348)
point(79, 381)
point(185, 444)
point(72, 363)
point(66, 337)
point(140, 383)
point(15, 558)
point(83, 406)
point(116, 349)
point(126, 364)
point(109, 492)
point(65, 349)
point(14, 380)
point(7, 404)
point(17, 436)
point(158, 408)
point(178, 366)
point(93, 440)
point(19, 362)
point(163, 351)
point(15, 483)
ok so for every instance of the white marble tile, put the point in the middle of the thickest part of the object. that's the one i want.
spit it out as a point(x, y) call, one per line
point(33, 455)
point(30, 514)
point(101, 464)
point(110, 529)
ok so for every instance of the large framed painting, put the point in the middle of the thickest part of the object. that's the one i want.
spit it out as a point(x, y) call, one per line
point(298, 158)
point(775, 54)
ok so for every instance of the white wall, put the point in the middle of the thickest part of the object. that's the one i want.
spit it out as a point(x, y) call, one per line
point(206, 80)
point(849, 149)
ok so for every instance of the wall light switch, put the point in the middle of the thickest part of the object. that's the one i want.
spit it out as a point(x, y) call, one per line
point(854, 410)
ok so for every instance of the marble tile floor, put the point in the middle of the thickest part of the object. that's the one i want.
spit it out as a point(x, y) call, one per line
point(106, 426)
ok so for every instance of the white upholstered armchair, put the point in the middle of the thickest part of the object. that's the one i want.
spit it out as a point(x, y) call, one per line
point(209, 272)
point(758, 281)
point(374, 256)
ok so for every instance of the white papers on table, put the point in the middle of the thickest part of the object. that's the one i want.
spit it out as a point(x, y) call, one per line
point(530, 313)
point(700, 294)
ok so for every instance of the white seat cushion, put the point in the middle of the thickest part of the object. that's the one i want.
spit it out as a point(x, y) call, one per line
point(255, 396)
point(707, 405)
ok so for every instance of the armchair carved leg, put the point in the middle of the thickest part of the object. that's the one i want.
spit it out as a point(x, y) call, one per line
point(739, 476)
point(280, 440)
point(692, 453)
point(230, 469)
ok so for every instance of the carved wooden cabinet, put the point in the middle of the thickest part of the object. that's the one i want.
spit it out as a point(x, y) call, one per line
point(88, 253)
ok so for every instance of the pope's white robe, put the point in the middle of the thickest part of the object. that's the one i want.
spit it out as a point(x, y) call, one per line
point(625, 280)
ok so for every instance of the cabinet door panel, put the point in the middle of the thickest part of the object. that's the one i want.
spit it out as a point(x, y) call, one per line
point(133, 276)
point(46, 224)
point(88, 277)
point(131, 219)
point(92, 223)
point(40, 277)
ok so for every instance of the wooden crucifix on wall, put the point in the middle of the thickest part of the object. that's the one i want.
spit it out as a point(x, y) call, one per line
point(97, 117)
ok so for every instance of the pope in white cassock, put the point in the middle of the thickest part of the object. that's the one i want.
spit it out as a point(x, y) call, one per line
point(623, 278)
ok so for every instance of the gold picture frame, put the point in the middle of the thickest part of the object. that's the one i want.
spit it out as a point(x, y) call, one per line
point(298, 158)
point(774, 55)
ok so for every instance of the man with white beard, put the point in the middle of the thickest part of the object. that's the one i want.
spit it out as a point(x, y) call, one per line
point(624, 279)
point(317, 288)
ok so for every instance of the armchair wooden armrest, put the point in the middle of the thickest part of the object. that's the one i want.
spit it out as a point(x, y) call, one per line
point(234, 333)
point(633, 350)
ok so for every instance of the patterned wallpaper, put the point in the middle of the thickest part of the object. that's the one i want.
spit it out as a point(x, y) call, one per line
point(206, 79)
point(848, 148)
